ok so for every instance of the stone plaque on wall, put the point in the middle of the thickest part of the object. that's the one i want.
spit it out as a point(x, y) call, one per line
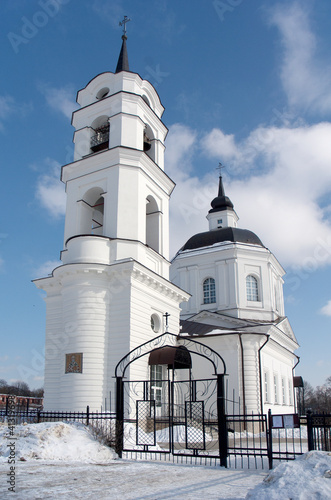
point(74, 362)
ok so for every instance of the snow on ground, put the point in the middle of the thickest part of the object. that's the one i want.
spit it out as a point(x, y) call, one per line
point(121, 480)
point(58, 460)
point(306, 478)
point(54, 441)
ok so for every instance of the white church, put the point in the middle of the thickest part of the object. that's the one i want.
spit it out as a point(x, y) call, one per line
point(221, 296)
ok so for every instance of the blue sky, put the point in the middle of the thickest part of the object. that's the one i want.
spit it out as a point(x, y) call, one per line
point(247, 83)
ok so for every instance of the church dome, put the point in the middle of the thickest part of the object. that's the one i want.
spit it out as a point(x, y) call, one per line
point(225, 234)
point(221, 203)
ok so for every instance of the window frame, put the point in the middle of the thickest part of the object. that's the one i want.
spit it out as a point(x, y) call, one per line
point(156, 384)
point(290, 393)
point(252, 295)
point(209, 291)
point(155, 323)
point(283, 391)
point(276, 389)
point(266, 386)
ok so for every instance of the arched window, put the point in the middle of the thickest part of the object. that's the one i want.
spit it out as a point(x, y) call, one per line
point(152, 224)
point(149, 142)
point(97, 216)
point(91, 212)
point(209, 292)
point(252, 290)
point(100, 134)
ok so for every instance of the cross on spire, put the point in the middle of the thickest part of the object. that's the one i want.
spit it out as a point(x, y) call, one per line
point(123, 23)
point(123, 60)
point(220, 166)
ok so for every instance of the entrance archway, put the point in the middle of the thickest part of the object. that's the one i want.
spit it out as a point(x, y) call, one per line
point(171, 412)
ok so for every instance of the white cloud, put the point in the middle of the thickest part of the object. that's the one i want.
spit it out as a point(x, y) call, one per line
point(161, 19)
point(216, 143)
point(180, 149)
point(192, 195)
point(305, 77)
point(326, 310)
point(111, 11)
point(50, 191)
point(46, 268)
point(9, 107)
point(60, 99)
point(281, 204)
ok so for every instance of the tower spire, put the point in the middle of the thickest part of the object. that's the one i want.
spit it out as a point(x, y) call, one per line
point(221, 202)
point(221, 191)
point(123, 60)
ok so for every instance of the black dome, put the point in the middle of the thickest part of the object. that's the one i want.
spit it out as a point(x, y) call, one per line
point(221, 202)
point(232, 234)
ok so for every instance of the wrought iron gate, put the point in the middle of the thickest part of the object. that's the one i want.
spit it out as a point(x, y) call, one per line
point(172, 416)
point(185, 421)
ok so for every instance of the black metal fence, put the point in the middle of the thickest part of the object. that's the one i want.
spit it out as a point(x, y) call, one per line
point(251, 441)
point(247, 437)
point(319, 431)
point(37, 416)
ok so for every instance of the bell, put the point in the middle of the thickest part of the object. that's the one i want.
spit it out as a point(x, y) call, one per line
point(147, 143)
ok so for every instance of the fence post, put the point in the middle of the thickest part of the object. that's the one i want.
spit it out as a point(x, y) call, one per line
point(38, 416)
point(27, 407)
point(119, 416)
point(87, 415)
point(7, 404)
point(269, 438)
point(222, 424)
point(310, 433)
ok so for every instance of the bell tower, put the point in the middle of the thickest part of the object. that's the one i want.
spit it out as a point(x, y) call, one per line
point(112, 289)
point(116, 187)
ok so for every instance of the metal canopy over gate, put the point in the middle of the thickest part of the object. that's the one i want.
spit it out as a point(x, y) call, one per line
point(174, 414)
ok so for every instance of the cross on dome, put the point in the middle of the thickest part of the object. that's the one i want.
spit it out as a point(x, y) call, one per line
point(220, 166)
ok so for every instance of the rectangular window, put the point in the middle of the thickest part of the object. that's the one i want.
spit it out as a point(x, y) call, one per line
point(156, 384)
point(289, 393)
point(283, 391)
point(275, 389)
point(266, 386)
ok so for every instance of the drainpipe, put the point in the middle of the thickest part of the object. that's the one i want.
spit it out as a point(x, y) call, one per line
point(261, 388)
point(294, 394)
point(242, 372)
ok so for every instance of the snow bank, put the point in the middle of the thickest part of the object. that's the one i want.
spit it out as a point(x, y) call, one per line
point(305, 478)
point(54, 441)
